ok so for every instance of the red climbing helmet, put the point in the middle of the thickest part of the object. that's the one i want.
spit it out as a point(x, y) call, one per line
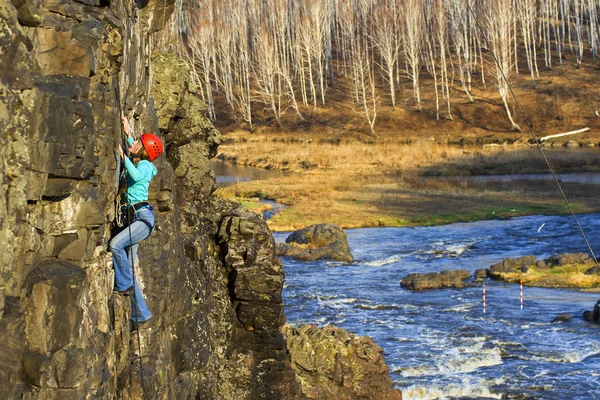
point(152, 144)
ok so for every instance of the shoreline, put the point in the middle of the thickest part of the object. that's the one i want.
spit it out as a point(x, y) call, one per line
point(385, 181)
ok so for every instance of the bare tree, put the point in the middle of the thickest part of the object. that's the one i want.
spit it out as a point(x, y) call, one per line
point(441, 24)
point(200, 43)
point(578, 16)
point(500, 31)
point(592, 7)
point(384, 35)
point(411, 30)
point(266, 70)
point(364, 82)
point(362, 75)
point(320, 13)
point(241, 61)
point(459, 25)
point(280, 18)
point(431, 50)
point(528, 15)
point(436, 51)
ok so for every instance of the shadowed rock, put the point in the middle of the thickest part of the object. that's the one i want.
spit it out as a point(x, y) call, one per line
point(563, 318)
point(436, 280)
point(481, 274)
point(332, 363)
point(51, 358)
point(511, 265)
point(565, 259)
point(593, 316)
point(315, 242)
point(595, 270)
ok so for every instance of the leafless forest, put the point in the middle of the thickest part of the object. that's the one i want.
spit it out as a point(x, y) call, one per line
point(283, 55)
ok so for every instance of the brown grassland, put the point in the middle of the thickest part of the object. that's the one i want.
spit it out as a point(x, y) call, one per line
point(336, 172)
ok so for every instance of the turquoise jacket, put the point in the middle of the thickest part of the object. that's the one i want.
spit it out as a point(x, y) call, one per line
point(139, 177)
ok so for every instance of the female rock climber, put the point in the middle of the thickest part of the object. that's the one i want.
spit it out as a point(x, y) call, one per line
point(140, 214)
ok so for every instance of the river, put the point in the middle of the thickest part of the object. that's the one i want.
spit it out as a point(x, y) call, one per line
point(229, 174)
point(440, 344)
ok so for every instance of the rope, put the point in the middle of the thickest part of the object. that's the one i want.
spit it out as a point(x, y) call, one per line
point(135, 303)
point(119, 219)
point(533, 135)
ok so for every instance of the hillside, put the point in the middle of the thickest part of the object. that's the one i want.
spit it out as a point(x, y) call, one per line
point(564, 99)
point(343, 174)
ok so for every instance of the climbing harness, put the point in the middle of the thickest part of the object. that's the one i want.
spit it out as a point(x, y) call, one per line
point(533, 135)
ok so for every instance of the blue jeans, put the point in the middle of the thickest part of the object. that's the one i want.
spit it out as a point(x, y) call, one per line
point(120, 245)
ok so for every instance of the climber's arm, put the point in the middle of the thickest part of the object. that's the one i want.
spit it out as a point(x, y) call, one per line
point(133, 172)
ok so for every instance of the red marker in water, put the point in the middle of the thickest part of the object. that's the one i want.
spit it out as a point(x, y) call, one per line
point(521, 293)
point(484, 298)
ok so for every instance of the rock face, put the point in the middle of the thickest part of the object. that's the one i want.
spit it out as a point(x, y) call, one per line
point(209, 271)
point(334, 364)
point(315, 242)
point(436, 280)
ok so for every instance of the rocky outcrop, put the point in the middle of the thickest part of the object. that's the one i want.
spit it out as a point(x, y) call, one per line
point(481, 274)
point(332, 363)
point(595, 270)
point(512, 265)
point(594, 315)
point(316, 242)
point(563, 318)
point(436, 280)
point(67, 69)
point(523, 264)
point(564, 259)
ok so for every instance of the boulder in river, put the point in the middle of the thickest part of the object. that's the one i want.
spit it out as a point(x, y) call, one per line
point(563, 318)
point(332, 363)
point(316, 242)
point(481, 274)
point(436, 280)
point(593, 316)
point(511, 265)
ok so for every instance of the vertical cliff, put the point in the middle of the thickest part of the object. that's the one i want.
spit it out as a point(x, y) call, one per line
point(208, 270)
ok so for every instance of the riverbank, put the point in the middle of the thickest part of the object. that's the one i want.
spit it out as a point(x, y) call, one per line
point(567, 270)
point(367, 182)
point(456, 350)
point(566, 277)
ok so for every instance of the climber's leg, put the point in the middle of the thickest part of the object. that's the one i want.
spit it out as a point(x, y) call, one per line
point(118, 245)
point(139, 308)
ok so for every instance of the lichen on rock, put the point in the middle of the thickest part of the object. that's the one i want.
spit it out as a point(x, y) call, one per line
point(316, 242)
point(332, 363)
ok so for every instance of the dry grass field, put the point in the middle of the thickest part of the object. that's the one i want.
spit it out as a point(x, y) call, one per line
point(337, 172)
